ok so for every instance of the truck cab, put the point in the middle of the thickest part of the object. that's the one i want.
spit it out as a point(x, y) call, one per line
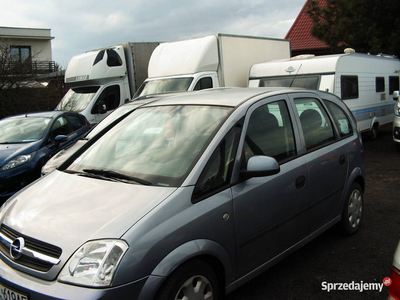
point(95, 102)
point(217, 60)
point(102, 80)
point(98, 83)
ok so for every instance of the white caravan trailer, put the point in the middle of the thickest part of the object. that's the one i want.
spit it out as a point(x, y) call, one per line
point(364, 82)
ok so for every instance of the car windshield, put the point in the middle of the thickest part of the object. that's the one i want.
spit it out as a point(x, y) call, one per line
point(159, 86)
point(22, 130)
point(153, 145)
point(77, 99)
point(113, 117)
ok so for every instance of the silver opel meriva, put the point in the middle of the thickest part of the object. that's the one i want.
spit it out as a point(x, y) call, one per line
point(188, 197)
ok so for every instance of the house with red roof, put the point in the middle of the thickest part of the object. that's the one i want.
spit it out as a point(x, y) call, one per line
point(302, 41)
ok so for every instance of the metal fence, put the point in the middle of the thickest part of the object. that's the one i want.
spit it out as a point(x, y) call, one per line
point(34, 67)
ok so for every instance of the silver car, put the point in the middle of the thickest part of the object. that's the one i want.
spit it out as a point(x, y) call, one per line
point(396, 119)
point(188, 197)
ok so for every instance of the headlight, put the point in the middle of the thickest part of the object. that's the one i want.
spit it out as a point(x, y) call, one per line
point(94, 264)
point(397, 109)
point(18, 161)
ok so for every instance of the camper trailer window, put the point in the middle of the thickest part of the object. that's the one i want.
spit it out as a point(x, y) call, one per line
point(379, 84)
point(308, 82)
point(393, 84)
point(349, 86)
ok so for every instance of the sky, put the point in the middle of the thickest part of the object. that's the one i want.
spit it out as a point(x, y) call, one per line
point(81, 25)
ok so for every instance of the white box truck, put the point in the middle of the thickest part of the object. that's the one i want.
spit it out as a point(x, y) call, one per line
point(217, 60)
point(103, 79)
point(364, 82)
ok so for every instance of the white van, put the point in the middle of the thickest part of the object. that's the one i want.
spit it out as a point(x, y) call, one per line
point(364, 82)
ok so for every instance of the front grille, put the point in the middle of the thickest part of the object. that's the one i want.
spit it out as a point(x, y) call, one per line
point(33, 244)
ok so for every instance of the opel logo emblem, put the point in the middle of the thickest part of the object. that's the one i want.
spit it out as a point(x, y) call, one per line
point(16, 248)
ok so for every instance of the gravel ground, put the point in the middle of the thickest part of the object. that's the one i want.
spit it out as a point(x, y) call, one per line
point(365, 257)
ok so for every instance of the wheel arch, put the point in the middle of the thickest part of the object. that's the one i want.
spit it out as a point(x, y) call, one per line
point(211, 252)
point(357, 175)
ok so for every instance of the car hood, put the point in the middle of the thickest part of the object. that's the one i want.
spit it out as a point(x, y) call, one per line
point(67, 210)
point(9, 151)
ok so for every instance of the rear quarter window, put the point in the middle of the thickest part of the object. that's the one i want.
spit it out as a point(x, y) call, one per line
point(340, 119)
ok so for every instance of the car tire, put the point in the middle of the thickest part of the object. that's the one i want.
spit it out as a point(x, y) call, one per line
point(352, 210)
point(193, 280)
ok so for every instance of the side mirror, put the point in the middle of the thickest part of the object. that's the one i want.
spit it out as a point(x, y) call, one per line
point(100, 107)
point(259, 166)
point(59, 139)
point(396, 95)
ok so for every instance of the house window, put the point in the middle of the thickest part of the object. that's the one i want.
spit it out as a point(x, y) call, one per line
point(20, 53)
point(393, 84)
point(379, 84)
point(349, 87)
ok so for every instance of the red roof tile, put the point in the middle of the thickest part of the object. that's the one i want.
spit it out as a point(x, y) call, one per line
point(300, 32)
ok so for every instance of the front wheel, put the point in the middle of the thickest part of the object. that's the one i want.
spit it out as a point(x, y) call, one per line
point(352, 210)
point(194, 280)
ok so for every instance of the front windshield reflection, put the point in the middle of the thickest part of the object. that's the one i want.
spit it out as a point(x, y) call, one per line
point(155, 144)
point(77, 99)
point(168, 85)
point(22, 130)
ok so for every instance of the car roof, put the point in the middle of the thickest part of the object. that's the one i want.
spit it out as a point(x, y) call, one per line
point(42, 114)
point(223, 96)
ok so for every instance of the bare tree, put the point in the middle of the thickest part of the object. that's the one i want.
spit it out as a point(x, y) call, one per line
point(20, 89)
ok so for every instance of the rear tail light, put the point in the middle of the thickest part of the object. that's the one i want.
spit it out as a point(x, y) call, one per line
point(394, 288)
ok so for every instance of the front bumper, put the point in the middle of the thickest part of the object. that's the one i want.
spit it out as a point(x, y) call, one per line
point(396, 134)
point(36, 289)
point(11, 181)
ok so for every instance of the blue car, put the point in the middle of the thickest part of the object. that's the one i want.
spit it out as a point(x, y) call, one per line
point(27, 141)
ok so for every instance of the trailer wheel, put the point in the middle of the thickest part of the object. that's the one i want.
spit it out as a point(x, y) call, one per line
point(373, 134)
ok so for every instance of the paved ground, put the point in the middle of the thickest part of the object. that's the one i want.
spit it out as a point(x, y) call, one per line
point(364, 257)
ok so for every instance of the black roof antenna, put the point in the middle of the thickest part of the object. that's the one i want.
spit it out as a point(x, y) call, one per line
point(294, 77)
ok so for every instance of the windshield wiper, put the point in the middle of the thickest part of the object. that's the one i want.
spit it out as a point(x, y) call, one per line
point(116, 175)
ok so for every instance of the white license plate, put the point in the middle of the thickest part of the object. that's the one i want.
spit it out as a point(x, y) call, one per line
point(9, 294)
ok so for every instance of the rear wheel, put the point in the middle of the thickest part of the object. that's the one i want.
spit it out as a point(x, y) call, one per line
point(194, 280)
point(352, 210)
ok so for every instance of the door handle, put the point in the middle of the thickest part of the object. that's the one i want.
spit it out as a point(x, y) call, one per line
point(342, 159)
point(300, 182)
